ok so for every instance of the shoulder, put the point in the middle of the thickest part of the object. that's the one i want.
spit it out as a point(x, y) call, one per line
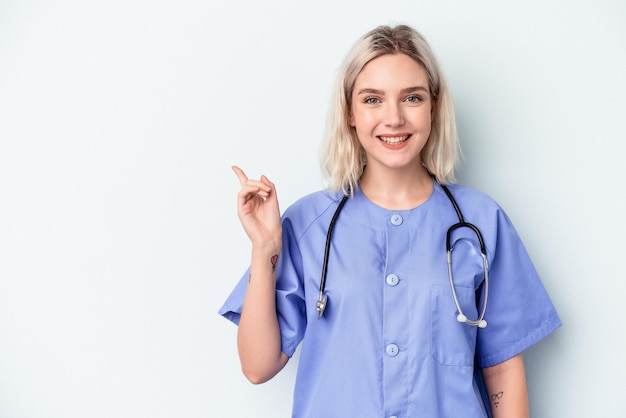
point(485, 213)
point(470, 195)
point(313, 204)
point(476, 206)
point(309, 209)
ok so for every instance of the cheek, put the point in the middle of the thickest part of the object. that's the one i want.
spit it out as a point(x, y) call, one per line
point(355, 117)
point(428, 127)
point(425, 119)
point(361, 120)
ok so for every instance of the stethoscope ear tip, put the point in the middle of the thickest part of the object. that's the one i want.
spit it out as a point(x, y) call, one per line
point(463, 319)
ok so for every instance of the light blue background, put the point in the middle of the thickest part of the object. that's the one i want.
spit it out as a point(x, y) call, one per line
point(119, 239)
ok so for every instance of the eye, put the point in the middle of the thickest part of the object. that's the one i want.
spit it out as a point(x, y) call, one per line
point(371, 100)
point(414, 99)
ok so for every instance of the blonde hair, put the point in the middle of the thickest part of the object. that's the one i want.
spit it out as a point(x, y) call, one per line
point(343, 157)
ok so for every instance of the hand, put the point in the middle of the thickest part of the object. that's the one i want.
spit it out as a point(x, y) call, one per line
point(257, 208)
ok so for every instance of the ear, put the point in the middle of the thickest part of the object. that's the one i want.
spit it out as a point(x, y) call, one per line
point(351, 120)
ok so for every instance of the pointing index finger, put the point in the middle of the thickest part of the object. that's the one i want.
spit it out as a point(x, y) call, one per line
point(240, 175)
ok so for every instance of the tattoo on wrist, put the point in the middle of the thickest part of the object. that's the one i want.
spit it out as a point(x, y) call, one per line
point(495, 398)
point(274, 261)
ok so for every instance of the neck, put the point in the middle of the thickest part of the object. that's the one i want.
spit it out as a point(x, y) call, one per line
point(397, 189)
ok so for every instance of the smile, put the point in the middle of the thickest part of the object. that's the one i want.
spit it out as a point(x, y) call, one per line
point(394, 140)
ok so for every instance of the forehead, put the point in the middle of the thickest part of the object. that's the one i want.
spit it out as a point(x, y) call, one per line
point(392, 70)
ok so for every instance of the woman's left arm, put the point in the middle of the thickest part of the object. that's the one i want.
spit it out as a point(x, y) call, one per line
point(506, 386)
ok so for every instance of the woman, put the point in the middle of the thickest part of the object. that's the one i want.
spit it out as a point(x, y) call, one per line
point(388, 336)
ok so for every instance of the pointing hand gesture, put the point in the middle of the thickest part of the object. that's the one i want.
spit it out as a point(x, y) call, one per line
point(257, 208)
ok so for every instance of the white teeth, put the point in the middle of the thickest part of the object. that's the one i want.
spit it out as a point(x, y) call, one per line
point(393, 140)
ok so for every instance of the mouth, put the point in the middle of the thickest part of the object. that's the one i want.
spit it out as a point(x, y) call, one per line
point(394, 140)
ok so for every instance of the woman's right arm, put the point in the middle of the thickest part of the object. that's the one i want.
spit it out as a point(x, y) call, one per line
point(258, 337)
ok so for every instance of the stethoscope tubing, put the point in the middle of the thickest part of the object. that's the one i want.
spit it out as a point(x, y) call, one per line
point(461, 317)
point(321, 303)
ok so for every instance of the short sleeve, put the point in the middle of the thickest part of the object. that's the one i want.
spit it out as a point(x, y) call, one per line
point(290, 306)
point(519, 310)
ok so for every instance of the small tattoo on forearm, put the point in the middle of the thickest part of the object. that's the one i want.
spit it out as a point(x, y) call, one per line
point(274, 261)
point(495, 398)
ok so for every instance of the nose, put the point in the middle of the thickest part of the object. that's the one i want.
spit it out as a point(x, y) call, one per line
point(394, 117)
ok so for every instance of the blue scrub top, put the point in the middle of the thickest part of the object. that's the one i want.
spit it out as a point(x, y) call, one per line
point(389, 344)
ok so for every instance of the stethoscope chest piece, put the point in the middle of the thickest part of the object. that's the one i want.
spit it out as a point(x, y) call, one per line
point(321, 305)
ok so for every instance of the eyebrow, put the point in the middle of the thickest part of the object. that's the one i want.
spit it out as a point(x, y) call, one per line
point(380, 92)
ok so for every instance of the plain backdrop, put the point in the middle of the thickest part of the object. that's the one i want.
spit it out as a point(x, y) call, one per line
point(119, 240)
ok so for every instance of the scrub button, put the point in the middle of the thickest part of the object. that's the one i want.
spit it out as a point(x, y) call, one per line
point(392, 350)
point(393, 416)
point(392, 280)
point(396, 219)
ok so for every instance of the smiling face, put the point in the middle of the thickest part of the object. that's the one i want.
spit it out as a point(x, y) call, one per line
point(392, 112)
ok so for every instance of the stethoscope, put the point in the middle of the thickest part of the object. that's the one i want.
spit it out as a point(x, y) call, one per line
point(461, 317)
